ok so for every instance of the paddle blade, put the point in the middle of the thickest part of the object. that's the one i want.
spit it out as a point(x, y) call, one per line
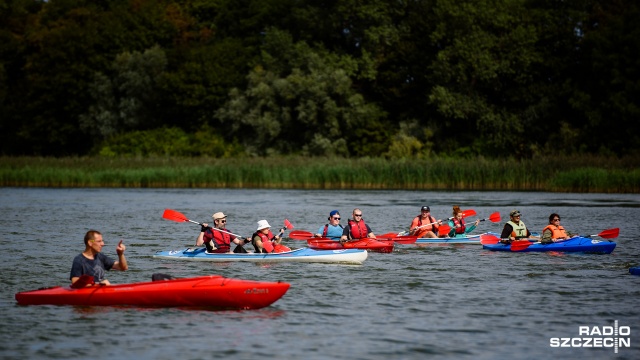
point(520, 245)
point(495, 217)
point(300, 235)
point(387, 236)
point(408, 239)
point(470, 212)
point(279, 248)
point(610, 233)
point(268, 245)
point(488, 239)
point(174, 215)
point(287, 224)
point(444, 229)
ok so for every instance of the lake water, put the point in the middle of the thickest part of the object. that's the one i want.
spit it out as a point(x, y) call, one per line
point(418, 302)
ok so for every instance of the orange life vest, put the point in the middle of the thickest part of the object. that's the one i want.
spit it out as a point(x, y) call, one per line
point(556, 231)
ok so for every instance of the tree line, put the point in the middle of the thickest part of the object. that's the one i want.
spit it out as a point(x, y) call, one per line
point(350, 78)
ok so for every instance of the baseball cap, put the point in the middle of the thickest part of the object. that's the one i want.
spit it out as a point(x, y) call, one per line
point(425, 208)
point(218, 215)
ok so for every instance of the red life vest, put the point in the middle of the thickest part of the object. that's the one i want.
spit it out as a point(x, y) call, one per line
point(556, 231)
point(358, 229)
point(461, 229)
point(220, 240)
point(264, 238)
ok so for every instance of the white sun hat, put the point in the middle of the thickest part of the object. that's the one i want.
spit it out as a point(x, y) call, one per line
point(263, 224)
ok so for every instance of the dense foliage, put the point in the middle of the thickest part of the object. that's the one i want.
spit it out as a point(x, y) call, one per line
point(319, 78)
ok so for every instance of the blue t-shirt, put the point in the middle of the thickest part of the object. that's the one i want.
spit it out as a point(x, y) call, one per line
point(96, 267)
point(333, 231)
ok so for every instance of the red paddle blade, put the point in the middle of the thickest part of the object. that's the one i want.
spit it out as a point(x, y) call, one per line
point(407, 239)
point(470, 212)
point(281, 248)
point(267, 245)
point(174, 215)
point(610, 233)
point(487, 239)
point(300, 235)
point(287, 224)
point(387, 236)
point(495, 217)
point(520, 245)
point(444, 229)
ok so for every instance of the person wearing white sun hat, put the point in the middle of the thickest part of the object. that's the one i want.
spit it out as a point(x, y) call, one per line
point(263, 239)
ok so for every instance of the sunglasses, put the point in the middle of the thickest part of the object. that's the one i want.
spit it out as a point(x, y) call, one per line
point(556, 219)
point(222, 221)
point(357, 215)
point(336, 218)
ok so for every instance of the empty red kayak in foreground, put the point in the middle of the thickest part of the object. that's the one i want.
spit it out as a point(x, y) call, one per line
point(211, 291)
point(364, 244)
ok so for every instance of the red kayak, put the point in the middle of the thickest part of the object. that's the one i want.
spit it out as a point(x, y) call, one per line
point(211, 291)
point(383, 246)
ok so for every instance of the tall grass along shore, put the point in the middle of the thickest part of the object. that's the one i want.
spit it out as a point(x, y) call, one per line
point(570, 174)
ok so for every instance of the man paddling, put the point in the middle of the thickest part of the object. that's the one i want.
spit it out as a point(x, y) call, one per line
point(333, 230)
point(93, 262)
point(514, 229)
point(218, 239)
point(356, 228)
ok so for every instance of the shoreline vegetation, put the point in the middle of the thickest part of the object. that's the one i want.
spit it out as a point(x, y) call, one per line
point(555, 174)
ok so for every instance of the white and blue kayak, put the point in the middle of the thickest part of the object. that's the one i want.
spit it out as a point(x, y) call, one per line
point(342, 256)
point(467, 239)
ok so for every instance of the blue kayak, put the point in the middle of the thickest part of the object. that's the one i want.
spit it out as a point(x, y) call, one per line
point(342, 256)
point(577, 244)
point(634, 270)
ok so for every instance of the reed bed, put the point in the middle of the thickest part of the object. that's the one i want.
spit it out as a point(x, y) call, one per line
point(571, 174)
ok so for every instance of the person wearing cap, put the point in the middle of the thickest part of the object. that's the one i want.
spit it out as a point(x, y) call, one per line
point(356, 228)
point(424, 225)
point(262, 235)
point(218, 239)
point(333, 229)
point(515, 228)
point(554, 231)
point(458, 226)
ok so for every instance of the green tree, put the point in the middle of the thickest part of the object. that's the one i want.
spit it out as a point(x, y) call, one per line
point(127, 100)
point(301, 100)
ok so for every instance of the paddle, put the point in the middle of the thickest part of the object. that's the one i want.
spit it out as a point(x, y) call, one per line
point(495, 217)
point(300, 235)
point(488, 239)
point(83, 281)
point(179, 217)
point(520, 245)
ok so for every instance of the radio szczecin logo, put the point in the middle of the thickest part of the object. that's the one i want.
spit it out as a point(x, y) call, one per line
point(597, 337)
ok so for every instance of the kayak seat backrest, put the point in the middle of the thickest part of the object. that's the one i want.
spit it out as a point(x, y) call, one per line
point(160, 277)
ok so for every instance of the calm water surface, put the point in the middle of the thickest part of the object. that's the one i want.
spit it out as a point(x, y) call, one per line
point(418, 302)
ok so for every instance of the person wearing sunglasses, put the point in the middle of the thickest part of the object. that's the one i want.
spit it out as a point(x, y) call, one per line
point(424, 225)
point(356, 228)
point(514, 229)
point(333, 230)
point(554, 231)
point(218, 239)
